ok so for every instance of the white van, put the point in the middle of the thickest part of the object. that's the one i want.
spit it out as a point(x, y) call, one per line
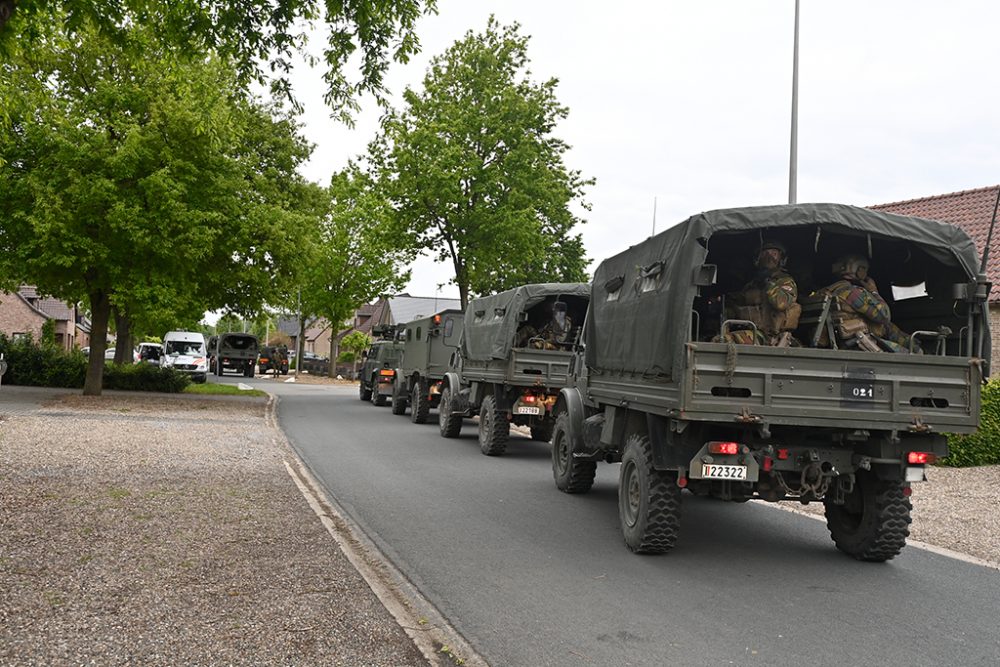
point(185, 351)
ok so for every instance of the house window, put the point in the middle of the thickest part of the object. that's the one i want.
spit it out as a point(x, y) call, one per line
point(419, 331)
point(19, 335)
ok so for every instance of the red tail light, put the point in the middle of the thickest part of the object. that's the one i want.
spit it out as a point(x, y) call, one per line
point(682, 482)
point(388, 372)
point(723, 448)
point(920, 458)
point(782, 454)
point(767, 464)
point(528, 398)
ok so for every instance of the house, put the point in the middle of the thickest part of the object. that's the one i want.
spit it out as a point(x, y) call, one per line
point(972, 211)
point(392, 310)
point(24, 312)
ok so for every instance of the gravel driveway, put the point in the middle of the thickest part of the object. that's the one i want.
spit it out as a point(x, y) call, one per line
point(137, 530)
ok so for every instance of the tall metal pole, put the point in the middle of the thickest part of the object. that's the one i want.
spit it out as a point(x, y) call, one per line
point(793, 158)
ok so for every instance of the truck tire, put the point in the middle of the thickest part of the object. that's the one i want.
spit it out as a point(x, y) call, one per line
point(571, 475)
point(398, 404)
point(366, 394)
point(420, 405)
point(542, 431)
point(649, 500)
point(494, 428)
point(377, 398)
point(450, 424)
point(873, 523)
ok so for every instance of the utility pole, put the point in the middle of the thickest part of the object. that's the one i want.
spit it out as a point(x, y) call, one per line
point(794, 151)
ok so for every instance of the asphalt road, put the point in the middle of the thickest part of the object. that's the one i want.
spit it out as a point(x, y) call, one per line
point(532, 576)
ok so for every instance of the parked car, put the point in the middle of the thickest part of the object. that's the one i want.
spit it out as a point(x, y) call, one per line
point(109, 354)
point(149, 353)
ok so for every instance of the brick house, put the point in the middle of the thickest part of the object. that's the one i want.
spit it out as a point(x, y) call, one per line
point(25, 311)
point(972, 211)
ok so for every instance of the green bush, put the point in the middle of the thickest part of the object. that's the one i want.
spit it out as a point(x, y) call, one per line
point(32, 364)
point(144, 377)
point(982, 447)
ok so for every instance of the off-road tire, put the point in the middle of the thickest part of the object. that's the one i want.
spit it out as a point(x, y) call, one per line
point(649, 500)
point(873, 523)
point(571, 475)
point(542, 431)
point(420, 405)
point(366, 394)
point(377, 398)
point(449, 423)
point(398, 402)
point(494, 429)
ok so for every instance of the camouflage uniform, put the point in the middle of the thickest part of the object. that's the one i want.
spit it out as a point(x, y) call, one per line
point(860, 299)
point(551, 336)
point(771, 303)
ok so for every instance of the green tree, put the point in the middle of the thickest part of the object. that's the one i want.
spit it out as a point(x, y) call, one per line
point(261, 38)
point(351, 347)
point(149, 185)
point(355, 257)
point(473, 169)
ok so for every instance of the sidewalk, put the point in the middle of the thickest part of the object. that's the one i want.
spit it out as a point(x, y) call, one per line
point(138, 530)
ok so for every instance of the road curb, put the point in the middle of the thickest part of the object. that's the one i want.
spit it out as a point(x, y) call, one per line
point(439, 642)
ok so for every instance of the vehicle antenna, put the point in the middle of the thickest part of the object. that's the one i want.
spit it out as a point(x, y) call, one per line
point(654, 217)
point(989, 235)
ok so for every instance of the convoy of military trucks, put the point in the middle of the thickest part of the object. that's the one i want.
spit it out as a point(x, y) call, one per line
point(646, 367)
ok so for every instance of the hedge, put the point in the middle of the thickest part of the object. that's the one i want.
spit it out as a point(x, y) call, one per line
point(44, 365)
point(982, 447)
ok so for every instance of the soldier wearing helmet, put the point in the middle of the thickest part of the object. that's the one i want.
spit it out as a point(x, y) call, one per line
point(770, 301)
point(866, 319)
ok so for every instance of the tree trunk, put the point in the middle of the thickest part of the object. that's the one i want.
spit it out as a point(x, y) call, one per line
point(123, 329)
point(100, 312)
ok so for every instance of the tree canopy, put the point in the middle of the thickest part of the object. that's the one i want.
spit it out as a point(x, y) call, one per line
point(149, 184)
point(259, 38)
point(356, 257)
point(475, 173)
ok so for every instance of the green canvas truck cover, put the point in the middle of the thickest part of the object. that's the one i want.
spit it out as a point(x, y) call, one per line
point(640, 308)
point(491, 321)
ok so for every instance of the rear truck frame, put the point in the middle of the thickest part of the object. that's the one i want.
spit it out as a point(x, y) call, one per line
point(502, 370)
point(378, 373)
point(522, 391)
point(851, 429)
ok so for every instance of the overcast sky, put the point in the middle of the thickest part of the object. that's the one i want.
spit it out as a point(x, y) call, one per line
point(690, 103)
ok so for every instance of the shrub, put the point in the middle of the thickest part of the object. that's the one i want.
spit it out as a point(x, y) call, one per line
point(144, 377)
point(33, 365)
point(983, 446)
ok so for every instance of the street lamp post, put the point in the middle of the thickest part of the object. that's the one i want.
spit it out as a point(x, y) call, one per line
point(793, 152)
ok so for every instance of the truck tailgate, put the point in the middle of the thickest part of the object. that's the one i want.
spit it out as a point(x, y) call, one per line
point(821, 387)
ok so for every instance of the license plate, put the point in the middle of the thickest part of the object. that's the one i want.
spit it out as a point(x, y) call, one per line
point(716, 471)
point(527, 410)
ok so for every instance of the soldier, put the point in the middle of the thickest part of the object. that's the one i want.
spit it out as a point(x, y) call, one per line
point(866, 320)
point(555, 332)
point(770, 301)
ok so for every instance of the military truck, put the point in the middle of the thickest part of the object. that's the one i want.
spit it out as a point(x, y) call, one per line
point(236, 351)
point(658, 388)
point(424, 362)
point(378, 372)
point(506, 369)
